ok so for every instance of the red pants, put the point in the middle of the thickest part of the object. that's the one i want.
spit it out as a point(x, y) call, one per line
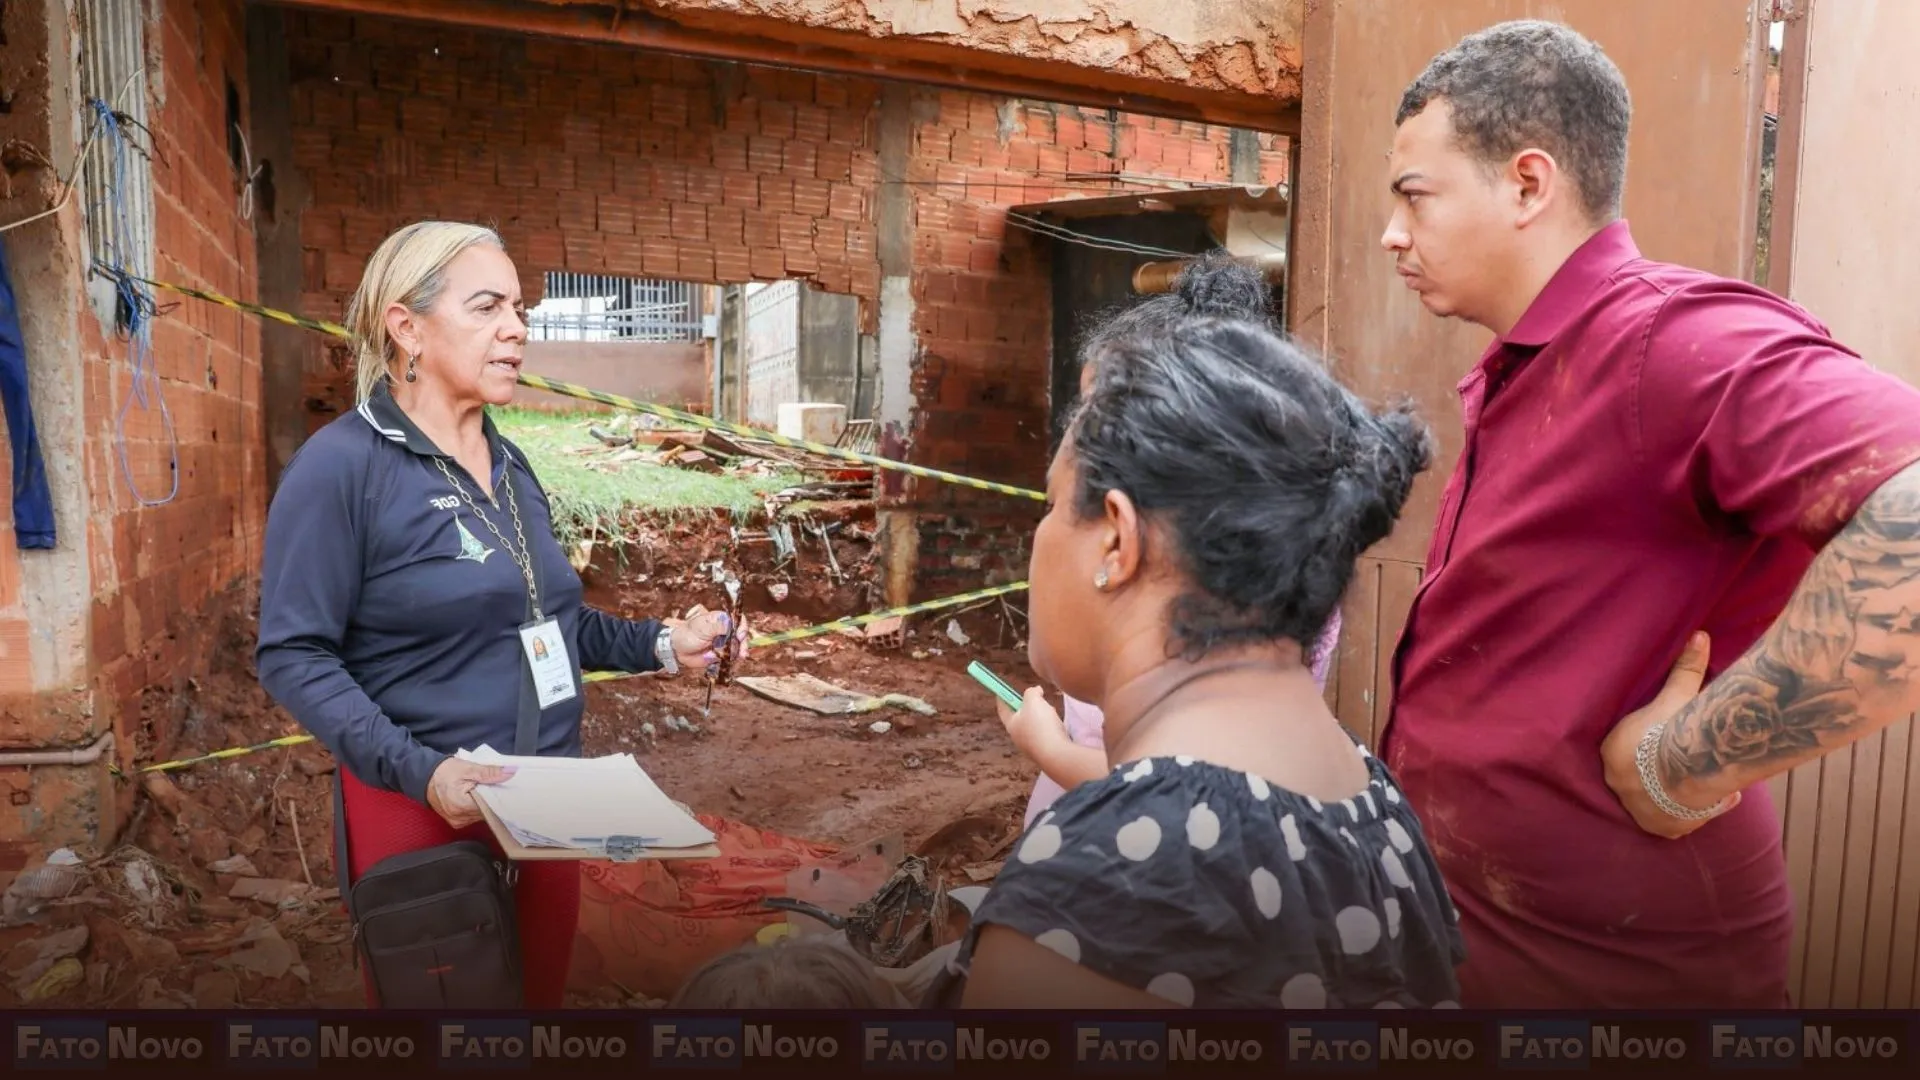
point(546, 897)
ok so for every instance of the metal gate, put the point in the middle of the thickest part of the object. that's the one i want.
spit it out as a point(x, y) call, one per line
point(773, 350)
point(592, 307)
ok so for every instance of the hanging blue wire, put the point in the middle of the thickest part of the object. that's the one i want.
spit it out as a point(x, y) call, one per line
point(136, 310)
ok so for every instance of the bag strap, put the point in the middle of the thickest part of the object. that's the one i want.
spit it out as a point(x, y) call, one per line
point(526, 734)
point(340, 834)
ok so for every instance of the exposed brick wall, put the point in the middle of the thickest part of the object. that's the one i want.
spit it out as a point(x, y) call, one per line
point(176, 569)
point(586, 159)
point(167, 582)
point(602, 160)
point(981, 285)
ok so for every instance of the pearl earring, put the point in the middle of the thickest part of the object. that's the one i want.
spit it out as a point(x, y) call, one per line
point(412, 374)
point(1100, 580)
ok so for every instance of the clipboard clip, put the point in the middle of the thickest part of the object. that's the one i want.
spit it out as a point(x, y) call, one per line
point(615, 848)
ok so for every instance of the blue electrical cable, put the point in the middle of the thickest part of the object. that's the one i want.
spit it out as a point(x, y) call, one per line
point(137, 308)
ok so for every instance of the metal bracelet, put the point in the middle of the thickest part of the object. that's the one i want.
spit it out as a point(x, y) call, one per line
point(663, 652)
point(1643, 756)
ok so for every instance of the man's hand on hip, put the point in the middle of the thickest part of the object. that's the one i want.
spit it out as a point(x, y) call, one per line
point(1628, 765)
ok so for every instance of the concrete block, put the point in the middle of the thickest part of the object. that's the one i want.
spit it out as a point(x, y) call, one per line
point(811, 420)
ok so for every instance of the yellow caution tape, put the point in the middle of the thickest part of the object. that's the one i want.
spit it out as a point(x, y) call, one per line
point(851, 622)
point(232, 752)
point(692, 420)
point(758, 641)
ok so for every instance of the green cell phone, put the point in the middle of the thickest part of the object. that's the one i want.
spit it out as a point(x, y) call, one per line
point(994, 683)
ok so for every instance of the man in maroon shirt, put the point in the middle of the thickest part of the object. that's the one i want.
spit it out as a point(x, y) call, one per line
point(1680, 554)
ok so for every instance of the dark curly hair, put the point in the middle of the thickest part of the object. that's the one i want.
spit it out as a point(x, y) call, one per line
point(1530, 82)
point(1269, 476)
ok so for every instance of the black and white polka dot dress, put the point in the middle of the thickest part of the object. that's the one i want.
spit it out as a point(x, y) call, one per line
point(1214, 889)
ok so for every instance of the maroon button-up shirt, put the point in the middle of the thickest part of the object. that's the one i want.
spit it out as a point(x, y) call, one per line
point(1650, 451)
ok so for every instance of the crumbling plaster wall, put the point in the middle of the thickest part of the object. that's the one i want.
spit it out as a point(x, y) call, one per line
point(1231, 46)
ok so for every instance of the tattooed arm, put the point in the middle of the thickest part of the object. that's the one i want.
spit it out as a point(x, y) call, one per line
point(1839, 664)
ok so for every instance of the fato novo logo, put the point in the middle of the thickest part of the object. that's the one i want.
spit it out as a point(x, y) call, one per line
point(93, 1044)
point(492, 1044)
point(1788, 1043)
point(266, 1042)
point(1329, 1046)
point(711, 1043)
point(934, 1046)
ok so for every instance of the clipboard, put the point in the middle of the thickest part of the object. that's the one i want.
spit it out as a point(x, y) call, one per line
point(515, 851)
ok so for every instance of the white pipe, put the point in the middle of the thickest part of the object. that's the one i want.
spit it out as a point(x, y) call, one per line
point(84, 756)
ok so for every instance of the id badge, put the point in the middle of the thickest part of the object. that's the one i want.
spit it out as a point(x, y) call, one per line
point(546, 650)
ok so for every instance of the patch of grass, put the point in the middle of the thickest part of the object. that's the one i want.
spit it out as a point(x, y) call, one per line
point(588, 502)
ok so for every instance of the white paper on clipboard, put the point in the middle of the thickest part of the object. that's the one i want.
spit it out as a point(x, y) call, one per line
point(580, 802)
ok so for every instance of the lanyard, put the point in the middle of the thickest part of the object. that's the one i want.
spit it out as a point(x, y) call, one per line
point(523, 557)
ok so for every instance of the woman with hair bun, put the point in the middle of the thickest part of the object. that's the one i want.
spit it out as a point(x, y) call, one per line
point(1205, 509)
point(1073, 752)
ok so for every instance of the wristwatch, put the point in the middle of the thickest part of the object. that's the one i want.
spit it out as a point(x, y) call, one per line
point(663, 651)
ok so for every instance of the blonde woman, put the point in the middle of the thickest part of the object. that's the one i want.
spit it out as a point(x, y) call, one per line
point(410, 569)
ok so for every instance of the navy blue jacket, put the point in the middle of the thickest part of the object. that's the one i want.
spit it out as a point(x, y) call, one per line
point(387, 631)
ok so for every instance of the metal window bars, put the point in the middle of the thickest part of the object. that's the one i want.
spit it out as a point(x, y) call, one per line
point(594, 307)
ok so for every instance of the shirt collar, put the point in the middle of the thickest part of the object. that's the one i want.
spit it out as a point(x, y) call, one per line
point(1567, 292)
point(392, 422)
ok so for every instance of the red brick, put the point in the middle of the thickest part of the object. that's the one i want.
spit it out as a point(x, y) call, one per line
point(632, 177)
point(729, 151)
point(670, 106)
point(776, 119)
point(576, 209)
point(761, 229)
point(776, 194)
point(593, 173)
point(625, 256)
point(769, 264)
point(652, 219)
point(689, 222)
point(553, 172)
point(669, 181)
point(697, 264)
point(705, 185)
point(614, 214)
point(844, 203)
point(726, 224)
point(516, 172)
point(586, 252)
point(732, 265)
point(833, 163)
point(798, 159)
point(740, 189)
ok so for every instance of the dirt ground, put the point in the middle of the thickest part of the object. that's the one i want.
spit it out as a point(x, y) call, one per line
point(170, 920)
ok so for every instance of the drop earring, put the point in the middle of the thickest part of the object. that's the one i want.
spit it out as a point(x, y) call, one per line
point(1100, 580)
point(411, 373)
